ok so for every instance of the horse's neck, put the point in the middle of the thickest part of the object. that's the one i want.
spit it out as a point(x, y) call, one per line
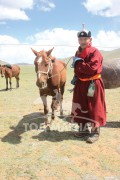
point(54, 74)
point(8, 72)
point(55, 68)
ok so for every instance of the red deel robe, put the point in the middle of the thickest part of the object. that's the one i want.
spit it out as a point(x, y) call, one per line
point(89, 109)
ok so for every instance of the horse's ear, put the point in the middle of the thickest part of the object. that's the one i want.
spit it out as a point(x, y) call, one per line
point(35, 52)
point(50, 51)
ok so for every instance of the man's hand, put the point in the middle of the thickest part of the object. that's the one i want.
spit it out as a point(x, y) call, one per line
point(73, 81)
point(75, 59)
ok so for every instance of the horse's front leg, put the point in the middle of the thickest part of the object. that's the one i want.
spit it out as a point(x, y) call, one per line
point(10, 83)
point(44, 100)
point(54, 106)
point(6, 84)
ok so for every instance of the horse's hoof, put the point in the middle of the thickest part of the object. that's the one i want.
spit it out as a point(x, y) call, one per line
point(6, 89)
point(61, 114)
point(47, 129)
point(53, 118)
point(46, 122)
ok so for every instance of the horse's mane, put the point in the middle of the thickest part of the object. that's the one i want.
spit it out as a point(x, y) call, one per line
point(63, 63)
point(60, 61)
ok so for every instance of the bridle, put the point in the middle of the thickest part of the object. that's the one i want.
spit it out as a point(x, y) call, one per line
point(50, 67)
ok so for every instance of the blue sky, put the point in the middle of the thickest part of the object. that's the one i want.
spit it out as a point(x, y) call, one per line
point(67, 14)
point(47, 22)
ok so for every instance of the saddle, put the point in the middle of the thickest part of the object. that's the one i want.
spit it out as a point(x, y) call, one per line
point(8, 66)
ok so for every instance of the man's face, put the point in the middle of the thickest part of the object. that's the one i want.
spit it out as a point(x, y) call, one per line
point(84, 41)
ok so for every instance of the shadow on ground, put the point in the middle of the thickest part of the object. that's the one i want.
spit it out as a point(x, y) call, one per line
point(2, 90)
point(24, 125)
point(113, 124)
point(36, 121)
point(56, 136)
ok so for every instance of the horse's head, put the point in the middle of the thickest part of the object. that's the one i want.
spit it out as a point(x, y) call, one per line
point(43, 66)
point(2, 69)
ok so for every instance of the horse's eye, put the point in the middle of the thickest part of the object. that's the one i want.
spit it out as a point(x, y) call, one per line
point(46, 65)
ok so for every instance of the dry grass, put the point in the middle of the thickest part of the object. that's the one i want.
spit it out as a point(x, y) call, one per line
point(36, 154)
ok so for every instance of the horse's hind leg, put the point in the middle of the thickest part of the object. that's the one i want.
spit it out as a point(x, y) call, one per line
point(62, 89)
point(17, 82)
point(54, 104)
point(6, 84)
point(10, 83)
point(53, 107)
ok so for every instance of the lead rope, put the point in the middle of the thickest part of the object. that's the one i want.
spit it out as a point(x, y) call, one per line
point(62, 69)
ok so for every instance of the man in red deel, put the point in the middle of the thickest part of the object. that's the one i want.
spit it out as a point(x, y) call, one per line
point(88, 106)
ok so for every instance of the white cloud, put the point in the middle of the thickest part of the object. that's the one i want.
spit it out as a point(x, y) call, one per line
point(14, 53)
point(12, 14)
point(107, 40)
point(4, 39)
point(107, 8)
point(57, 36)
point(23, 4)
point(66, 38)
point(46, 5)
point(14, 10)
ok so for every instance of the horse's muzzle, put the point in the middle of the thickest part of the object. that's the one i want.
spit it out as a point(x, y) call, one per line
point(41, 85)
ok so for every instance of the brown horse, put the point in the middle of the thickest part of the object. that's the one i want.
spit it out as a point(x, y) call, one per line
point(10, 71)
point(51, 79)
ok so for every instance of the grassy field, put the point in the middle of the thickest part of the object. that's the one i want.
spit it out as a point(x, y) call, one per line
point(36, 154)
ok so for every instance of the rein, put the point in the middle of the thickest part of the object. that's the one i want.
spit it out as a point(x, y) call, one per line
point(62, 69)
point(51, 67)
